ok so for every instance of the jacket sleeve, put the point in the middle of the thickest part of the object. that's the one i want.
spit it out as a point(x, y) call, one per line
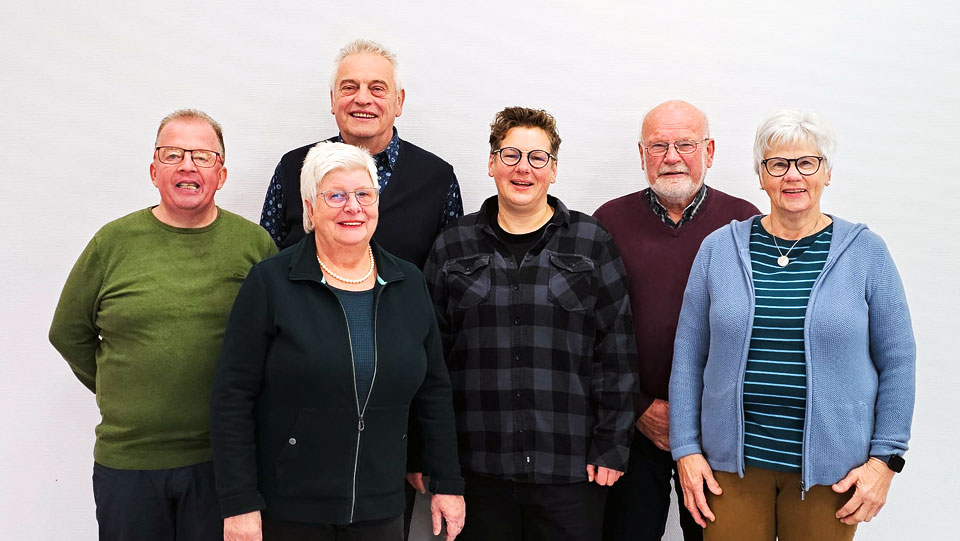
point(614, 385)
point(235, 388)
point(434, 406)
point(74, 332)
point(894, 354)
point(690, 350)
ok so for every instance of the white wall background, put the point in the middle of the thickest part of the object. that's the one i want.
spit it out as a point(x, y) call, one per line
point(83, 86)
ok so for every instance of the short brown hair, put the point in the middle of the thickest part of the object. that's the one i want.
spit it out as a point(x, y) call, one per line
point(523, 117)
point(194, 114)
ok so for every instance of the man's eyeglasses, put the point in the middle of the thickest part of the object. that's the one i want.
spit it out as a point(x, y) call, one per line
point(683, 147)
point(806, 165)
point(538, 159)
point(200, 157)
point(338, 198)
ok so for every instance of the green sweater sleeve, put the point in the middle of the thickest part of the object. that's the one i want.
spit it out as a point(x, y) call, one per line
point(74, 332)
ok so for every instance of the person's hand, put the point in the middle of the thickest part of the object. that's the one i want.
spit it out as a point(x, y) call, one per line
point(872, 480)
point(450, 508)
point(245, 527)
point(603, 476)
point(694, 471)
point(415, 479)
point(654, 423)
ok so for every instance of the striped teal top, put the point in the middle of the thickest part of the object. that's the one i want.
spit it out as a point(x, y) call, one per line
point(775, 383)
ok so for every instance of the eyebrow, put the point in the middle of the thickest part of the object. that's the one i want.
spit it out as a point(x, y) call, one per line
point(356, 82)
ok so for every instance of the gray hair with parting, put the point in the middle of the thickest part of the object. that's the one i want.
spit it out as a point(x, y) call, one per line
point(325, 158)
point(194, 114)
point(366, 46)
point(794, 127)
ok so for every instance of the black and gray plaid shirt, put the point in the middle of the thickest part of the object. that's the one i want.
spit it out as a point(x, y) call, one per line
point(542, 357)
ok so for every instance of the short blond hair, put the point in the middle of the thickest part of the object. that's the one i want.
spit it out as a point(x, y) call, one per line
point(194, 114)
point(366, 46)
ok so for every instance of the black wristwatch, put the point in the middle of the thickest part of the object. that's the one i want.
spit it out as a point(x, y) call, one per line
point(894, 462)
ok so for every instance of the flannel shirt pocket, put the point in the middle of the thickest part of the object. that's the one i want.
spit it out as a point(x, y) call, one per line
point(569, 283)
point(468, 281)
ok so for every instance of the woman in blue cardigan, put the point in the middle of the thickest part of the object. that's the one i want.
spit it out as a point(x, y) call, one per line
point(792, 388)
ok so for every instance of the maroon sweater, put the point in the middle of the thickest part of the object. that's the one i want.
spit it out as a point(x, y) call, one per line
point(658, 260)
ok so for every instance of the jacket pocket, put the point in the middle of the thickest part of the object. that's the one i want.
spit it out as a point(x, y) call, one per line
point(468, 281)
point(317, 460)
point(569, 282)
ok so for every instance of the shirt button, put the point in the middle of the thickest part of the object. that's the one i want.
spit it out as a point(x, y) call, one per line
point(516, 321)
point(292, 441)
point(518, 394)
point(516, 287)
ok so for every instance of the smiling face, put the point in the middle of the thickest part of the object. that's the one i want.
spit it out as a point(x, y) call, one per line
point(187, 191)
point(794, 193)
point(676, 177)
point(521, 189)
point(365, 101)
point(351, 225)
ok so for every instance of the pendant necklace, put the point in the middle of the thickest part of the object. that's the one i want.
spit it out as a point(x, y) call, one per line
point(349, 280)
point(783, 260)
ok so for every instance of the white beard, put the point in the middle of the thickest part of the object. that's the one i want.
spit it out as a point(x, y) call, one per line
point(680, 189)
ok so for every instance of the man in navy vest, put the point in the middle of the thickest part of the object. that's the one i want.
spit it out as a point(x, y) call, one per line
point(419, 193)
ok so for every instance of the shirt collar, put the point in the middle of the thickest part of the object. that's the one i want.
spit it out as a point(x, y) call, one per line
point(688, 212)
point(388, 157)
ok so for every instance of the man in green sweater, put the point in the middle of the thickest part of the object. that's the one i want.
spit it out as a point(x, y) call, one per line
point(140, 322)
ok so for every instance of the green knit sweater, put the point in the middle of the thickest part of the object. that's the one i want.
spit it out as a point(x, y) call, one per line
point(140, 322)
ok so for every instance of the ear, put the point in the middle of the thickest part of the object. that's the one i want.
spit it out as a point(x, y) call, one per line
point(310, 211)
point(829, 173)
point(643, 158)
point(553, 166)
point(402, 95)
point(153, 174)
point(490, 165)
point(223, 177)
point(333, 109)
point(708, 159)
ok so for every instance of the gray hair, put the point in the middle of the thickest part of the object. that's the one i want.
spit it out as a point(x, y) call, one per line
point(706, 120)
point(365, 46)
point(794, 127)
point(193, 114)
point(325, 158)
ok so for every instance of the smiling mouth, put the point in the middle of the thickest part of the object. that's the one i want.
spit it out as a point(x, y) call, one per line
point(521, 183)
point(188, 185)
point(363, 115)
point(351, 224)
point(795, 191)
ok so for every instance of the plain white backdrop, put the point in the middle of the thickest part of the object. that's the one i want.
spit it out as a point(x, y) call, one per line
point(84, 85)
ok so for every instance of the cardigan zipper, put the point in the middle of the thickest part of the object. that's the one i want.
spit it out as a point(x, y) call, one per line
point(747, 273)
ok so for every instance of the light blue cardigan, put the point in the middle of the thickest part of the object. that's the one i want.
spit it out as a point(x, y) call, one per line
point(860, 352)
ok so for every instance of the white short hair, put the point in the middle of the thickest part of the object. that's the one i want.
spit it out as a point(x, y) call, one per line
point(365, 46)
point(794, 127)
point(325, 158)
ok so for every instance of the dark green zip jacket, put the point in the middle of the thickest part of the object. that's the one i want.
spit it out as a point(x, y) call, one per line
point(288, 436)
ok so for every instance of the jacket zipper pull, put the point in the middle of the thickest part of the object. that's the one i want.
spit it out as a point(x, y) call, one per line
point(360, 424)
point(801, 491)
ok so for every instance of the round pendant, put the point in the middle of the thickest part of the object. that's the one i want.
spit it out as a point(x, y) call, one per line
point(783, 261)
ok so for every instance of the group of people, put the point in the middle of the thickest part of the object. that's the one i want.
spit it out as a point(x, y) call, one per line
point(545, 373)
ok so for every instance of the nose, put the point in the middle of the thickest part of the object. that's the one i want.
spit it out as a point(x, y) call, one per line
point(793, 173)
point(352, 205)
point(672, 156)
point(186, 164)
point(363, 95)
point(523, 166)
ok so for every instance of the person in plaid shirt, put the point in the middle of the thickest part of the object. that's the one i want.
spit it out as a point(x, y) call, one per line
point(533, 309)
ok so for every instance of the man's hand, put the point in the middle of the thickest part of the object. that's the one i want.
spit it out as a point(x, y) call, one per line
point(416, 481)
point(604, 477)
point(245, 527)
point(872, 480)
point(694, 470)
point(450, 508)
point(654, 423)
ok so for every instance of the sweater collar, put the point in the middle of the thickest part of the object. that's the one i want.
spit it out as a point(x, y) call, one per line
point(490, 207)
point(844, 233)
point(304, 266)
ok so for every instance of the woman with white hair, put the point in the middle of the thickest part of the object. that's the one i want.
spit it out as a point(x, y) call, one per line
point(792, 388)
point(328, 344)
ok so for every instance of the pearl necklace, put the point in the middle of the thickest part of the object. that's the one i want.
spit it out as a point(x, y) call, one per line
point(326, 270)
point(783, 260)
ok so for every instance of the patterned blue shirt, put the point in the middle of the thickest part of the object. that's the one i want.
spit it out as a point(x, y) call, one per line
point(270, 217)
